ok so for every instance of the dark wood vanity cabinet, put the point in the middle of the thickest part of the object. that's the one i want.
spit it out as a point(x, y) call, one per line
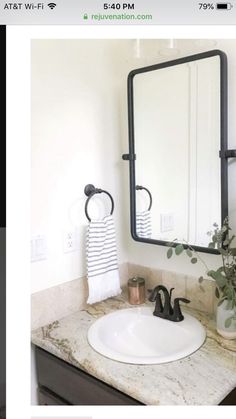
point(229, 400)
point(59, 383)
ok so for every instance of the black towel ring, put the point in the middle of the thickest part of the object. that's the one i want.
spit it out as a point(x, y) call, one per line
point(90, 191)
point(139, 188)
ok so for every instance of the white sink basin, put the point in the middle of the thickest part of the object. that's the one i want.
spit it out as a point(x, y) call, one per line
point(135, 336)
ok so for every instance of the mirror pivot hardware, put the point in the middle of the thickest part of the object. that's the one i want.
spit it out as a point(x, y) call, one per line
point(227, 154)
point(129, 156)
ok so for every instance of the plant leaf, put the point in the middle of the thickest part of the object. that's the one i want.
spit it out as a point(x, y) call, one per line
point(179, 249)
point(218, 277)
point(212, 274)
point(221, 281)
point(217, 293)
point(189, 252)
point(169, 253)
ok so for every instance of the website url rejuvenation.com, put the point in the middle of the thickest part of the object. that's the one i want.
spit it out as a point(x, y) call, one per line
point(123, 16)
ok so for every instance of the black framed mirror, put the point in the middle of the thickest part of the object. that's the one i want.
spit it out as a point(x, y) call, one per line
point(178, 152)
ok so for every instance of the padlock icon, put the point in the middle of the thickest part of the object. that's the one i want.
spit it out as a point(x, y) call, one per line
point(85, 16)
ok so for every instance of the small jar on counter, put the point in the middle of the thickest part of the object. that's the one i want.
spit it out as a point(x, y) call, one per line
point(136, 290)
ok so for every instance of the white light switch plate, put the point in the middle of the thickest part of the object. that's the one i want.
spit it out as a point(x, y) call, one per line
point(38, 248)
point(167, 222)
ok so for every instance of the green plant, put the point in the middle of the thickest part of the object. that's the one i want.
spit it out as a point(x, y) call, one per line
point(225, 275)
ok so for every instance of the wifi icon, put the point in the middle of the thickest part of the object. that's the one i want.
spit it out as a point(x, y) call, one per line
point(51, 5)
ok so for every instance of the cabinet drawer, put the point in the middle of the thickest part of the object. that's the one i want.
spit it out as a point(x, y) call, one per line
point(74, 385)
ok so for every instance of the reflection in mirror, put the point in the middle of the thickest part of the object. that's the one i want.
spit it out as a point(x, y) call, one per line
point(177, 138)
point(143, 217)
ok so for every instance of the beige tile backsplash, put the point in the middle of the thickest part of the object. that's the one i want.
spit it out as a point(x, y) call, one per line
point(176, 281)
point(54, 303)
point(202, 296)
point(62, 300)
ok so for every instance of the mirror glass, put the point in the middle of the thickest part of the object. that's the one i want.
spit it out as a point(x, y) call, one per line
point(177, 138)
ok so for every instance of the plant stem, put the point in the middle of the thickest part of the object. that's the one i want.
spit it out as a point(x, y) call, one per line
point(197, 254)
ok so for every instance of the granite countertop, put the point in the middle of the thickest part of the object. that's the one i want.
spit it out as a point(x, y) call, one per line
point(204, 378)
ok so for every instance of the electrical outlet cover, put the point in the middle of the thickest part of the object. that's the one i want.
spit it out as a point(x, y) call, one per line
point(70, 241)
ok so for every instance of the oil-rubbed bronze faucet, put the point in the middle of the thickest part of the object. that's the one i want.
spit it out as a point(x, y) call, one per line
point(166, 311)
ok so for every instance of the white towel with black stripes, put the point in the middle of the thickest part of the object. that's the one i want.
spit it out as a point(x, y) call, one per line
point(143, 224)
point(102, 264)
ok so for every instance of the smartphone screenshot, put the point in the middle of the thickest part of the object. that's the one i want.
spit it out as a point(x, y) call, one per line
point(118, 243)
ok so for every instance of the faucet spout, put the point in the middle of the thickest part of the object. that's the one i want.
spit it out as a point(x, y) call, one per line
point(155, 296)
point(166, 311)
point(161, 310)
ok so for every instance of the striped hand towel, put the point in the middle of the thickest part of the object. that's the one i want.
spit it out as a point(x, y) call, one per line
point(102, 265)
point(143, 224)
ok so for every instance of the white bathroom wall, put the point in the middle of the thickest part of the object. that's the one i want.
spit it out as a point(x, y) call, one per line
point(155, 256)
point(76, 140)
point(79, 131)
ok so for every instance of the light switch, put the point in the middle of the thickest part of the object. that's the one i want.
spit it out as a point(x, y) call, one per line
point(38, 248)
point(167, 222)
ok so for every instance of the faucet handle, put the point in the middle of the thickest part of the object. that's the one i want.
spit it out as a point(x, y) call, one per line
point(177, 314)
point(183, 300)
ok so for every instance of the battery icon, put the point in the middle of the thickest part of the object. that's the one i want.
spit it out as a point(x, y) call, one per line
point(224, 6)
